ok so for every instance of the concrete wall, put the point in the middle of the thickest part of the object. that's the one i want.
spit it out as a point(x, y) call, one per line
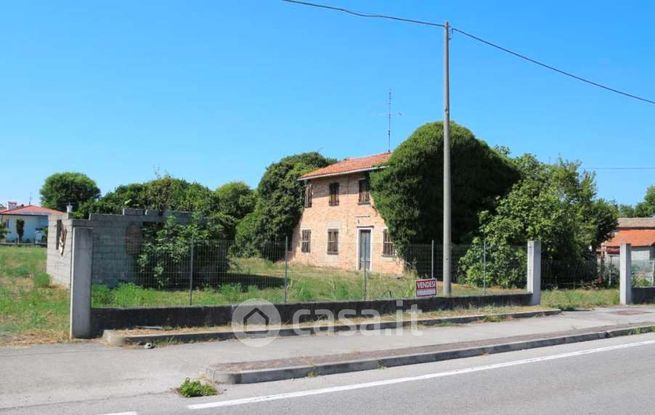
point(34, 225)
point(348, 217)
point(113, 262)
point(198, 316)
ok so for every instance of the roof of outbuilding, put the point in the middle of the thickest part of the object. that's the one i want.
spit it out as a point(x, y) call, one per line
point(636, 223)
point(31, 210)
point(350, 165)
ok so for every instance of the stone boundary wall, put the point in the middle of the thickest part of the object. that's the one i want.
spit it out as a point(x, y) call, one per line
point(116, 239)
point(198, 316)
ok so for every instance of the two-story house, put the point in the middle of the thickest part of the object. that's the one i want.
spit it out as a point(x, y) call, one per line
point(340, 226)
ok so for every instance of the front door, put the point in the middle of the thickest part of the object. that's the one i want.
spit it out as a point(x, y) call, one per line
point(365, 249)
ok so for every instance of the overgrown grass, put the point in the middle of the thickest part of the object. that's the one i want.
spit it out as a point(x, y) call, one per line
point(31, 311)
point(305, 284)
point(569, 300)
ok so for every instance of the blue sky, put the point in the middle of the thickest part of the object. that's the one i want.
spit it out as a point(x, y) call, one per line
point(213, 91)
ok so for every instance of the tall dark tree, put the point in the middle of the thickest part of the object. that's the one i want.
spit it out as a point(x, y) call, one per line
point(60, 189)
point(279, 202)
point(20, 229)
point(409, 191)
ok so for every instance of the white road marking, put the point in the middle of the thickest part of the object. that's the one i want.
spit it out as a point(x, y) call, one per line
point(300, 394)
point(123, 413)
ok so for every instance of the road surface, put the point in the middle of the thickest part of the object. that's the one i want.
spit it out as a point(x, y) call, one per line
point(613, 376)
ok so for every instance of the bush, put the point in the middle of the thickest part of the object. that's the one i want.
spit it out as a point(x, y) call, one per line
point(194, 388)
point(165, 258)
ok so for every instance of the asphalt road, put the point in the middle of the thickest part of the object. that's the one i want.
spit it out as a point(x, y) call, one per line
point(613, 376)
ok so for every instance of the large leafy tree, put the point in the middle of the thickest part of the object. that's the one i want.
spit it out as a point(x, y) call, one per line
point(555, 204)
point(60, 189)
point(409, 191)
point(279, 203)
point(161, 194)
point(236, 199)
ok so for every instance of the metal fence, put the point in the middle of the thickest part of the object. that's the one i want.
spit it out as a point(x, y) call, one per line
point(183, 272)
point(643, 273)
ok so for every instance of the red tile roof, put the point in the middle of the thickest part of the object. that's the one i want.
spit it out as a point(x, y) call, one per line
point(635, 237)
point(31, 210)
point(349, 165)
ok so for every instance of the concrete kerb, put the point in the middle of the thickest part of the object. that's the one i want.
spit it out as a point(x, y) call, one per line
point(114, 338)
point(292, 372)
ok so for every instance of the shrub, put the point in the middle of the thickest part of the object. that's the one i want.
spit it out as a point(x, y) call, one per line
point(194, 388)
point(41, 280)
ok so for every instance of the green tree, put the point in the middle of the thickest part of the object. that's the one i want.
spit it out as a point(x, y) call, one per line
point(236, 199)
point(279, 202)
point(627, 211)
point(3, 230)
point(555, 204)
point(409, 191)
point(60, 189)
point(20, 229)
point(161, 194)
point(646, 208)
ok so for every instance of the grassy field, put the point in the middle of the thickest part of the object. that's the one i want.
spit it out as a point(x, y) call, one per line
point(305, 283)
point(33, 311)
point(30, 310)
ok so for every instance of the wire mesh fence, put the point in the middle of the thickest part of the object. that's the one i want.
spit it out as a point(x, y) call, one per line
point(184, 272)
point(643, 273)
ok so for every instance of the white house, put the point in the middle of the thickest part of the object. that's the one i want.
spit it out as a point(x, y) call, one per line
point(35, 220)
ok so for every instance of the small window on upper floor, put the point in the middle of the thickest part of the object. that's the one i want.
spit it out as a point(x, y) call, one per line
point(308, 195)
point(334, 194)
point(364, 192)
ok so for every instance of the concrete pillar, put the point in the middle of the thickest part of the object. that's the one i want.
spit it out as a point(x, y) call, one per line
point(625, 281)
point(534, 271)
point(80, 285)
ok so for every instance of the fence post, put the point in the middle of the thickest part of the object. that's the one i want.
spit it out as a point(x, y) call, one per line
point(432, 261)
point(191, 274)
point(80, 285)
point(484, 266)
point(625, 279)
point(534, 271)
point(286, 269)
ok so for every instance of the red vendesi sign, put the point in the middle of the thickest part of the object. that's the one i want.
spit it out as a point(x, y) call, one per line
point(426, 288)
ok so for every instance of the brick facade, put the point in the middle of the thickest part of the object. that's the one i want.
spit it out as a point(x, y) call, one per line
point(349, 218)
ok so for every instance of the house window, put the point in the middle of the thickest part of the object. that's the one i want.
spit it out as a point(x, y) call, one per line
point(333, 242)
point(364, 193)
point(334, 194)
point(305, 245)
point(308, 195)
point(387, 244)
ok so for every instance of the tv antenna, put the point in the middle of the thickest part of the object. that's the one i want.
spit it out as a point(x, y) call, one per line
point(389, 116)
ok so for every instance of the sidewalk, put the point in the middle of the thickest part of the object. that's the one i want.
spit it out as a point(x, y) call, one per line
point(83, 371)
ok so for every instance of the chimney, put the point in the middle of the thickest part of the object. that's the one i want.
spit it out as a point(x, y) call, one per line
point(12, 205)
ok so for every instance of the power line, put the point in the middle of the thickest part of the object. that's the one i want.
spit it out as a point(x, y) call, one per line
point(479, 39)
point(359, 14)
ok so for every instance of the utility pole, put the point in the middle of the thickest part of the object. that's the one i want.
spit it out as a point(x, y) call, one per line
point(446, 167)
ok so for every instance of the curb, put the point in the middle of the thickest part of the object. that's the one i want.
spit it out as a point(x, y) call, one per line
point(292, 372)
point(112, 338)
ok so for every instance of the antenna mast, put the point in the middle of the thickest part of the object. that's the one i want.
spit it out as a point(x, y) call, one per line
point(389, 125)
